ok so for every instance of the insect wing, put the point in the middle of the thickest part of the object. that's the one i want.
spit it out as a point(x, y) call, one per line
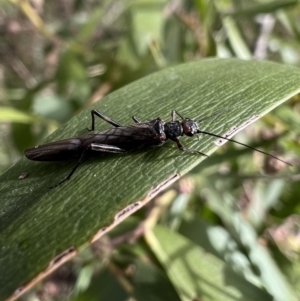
point(55, 151)
point(126, 137)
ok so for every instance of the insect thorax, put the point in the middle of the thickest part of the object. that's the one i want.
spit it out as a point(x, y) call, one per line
point(173, 129)
point(159, 129)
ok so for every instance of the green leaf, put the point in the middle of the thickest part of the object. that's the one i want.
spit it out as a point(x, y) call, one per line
point(38, 225)
point(110, 289)
point(9, 114)
point(270, 274)
point(151, 284)
point(147, 23)
point(197, 274)
point(263, 8)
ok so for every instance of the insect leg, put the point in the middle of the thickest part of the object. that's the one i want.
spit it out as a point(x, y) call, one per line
point(106, 148)
point(135, 119)
point(105, 118)
point(182, 148)
point(71, 173)
point(173, 115)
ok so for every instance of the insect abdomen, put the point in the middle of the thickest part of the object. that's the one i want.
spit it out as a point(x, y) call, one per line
point(55, 151)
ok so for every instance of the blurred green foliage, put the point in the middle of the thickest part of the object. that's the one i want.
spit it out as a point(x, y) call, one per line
point(58, 57)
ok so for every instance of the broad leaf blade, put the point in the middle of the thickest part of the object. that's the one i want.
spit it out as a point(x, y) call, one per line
point(196, 274)
point(38, 224)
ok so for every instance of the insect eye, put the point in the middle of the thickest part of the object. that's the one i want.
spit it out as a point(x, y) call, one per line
point(186, 127)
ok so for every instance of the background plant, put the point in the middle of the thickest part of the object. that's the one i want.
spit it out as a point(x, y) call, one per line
point(59, 57)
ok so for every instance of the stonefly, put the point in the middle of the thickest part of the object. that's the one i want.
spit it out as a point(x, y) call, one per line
point(122, 139)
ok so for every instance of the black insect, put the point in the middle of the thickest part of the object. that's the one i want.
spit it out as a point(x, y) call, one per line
point(122, 139)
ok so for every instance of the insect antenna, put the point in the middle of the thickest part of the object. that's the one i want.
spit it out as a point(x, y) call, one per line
point(240, 143)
